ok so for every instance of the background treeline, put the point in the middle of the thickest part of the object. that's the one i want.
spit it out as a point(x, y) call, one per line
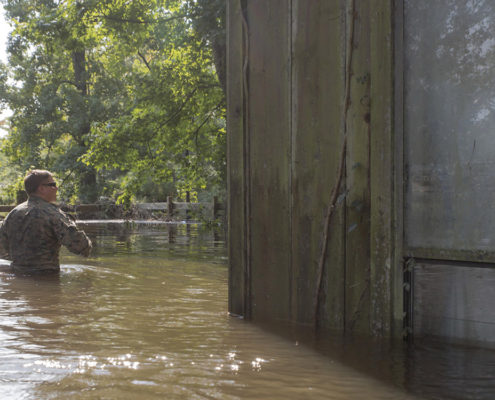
point(121, 99)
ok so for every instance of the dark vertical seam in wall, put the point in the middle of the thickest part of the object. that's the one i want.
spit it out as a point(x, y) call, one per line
point(229, 175)
point(291, 158)
point(398, 118)
point(393, 243)
point(348, 29)
point(403, 129)
point(343, 127)
point(370, 247)
point(246, 162)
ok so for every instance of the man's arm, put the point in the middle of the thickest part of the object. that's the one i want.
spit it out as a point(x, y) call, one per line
point(71, 237)
point(4, 241)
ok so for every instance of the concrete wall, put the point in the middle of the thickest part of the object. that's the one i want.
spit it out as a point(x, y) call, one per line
point(454, 301)
point(360, 145)
point(449, 212)
point(310, 107)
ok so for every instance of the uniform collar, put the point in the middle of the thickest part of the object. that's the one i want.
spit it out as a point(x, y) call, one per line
point(36, 199)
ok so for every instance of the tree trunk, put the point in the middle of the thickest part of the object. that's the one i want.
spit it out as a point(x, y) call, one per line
point(87, 177)
point(219, 48)
point(80, 77)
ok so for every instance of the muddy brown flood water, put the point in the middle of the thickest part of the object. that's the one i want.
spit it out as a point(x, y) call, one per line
point(146, 318)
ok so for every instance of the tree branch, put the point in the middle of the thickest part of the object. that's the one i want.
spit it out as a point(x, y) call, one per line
point(68, 82)
point(208, 117)
point(140, 21)
point(176, 113)
point(144, 60)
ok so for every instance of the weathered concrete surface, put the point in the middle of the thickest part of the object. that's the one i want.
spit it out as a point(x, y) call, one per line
point(454, 302)
point(303, 79)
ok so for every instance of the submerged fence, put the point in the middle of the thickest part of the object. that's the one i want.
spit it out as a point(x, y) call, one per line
point(169, 210)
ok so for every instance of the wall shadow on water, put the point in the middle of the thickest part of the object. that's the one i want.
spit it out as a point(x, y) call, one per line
point(429, 368)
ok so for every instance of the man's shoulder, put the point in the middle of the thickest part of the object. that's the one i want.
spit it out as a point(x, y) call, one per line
point(20, 208)
point(36, 208)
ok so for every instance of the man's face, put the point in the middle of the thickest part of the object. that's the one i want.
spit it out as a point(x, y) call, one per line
point(48, 190)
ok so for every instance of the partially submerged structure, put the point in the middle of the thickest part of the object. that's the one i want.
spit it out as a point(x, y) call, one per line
point(361, 165)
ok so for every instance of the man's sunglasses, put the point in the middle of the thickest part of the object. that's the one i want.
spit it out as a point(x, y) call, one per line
point(52, 184)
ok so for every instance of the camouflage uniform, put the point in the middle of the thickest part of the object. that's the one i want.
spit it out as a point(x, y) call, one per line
point(33, 232)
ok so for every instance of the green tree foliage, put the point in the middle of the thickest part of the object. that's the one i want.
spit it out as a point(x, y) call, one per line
point(121, 98)
point(9, 180)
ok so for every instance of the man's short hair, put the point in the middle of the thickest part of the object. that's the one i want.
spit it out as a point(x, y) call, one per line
point(34, 178)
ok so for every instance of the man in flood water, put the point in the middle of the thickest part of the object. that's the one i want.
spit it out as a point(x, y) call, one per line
point(33, 232)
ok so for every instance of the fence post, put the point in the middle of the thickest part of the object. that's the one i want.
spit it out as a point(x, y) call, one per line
point(170, 206)
point(215, 207)
point(171, 233)
point(188, 200)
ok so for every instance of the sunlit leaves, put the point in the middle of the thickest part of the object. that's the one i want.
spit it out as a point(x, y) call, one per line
point(114, 85)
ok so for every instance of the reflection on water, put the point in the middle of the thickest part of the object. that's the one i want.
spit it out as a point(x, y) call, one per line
point(146, 317)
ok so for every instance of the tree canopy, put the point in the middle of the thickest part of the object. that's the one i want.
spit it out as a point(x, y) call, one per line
point(120, 98)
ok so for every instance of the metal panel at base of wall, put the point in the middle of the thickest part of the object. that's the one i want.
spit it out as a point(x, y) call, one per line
point(454, 302)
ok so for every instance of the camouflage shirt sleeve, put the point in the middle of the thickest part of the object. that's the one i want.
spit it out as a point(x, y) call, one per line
point(4, 244)
point(71, 237)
